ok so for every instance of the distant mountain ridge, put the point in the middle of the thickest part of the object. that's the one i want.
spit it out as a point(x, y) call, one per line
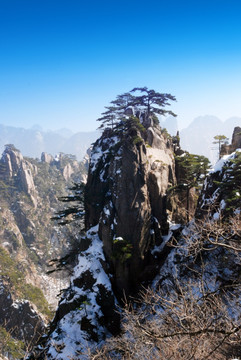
point(32, 142)
point(29, 240)
point(198, 137)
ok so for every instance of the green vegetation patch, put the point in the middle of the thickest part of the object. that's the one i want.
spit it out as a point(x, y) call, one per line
point(231, 184)
point(122, 250)
point(15, 278)
point(36, 296)
point(14, 348)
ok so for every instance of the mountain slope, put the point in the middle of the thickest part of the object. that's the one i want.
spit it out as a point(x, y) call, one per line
point(126, 215)
point(29, 239)
point(192, 309)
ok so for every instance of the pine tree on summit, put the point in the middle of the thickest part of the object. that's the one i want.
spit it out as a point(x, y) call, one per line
point(114, 113)
point(153, 102)
point(220, 139)
point(148, 102)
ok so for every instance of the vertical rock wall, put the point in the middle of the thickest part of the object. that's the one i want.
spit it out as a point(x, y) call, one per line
point(126, 195)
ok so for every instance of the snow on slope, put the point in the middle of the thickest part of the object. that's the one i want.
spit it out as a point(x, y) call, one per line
point(80, 317)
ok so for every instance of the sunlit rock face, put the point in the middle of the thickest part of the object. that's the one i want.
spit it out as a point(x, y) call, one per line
point(45, 157)
point(30, 239)
point(17, 167)
point(126, 194)
point(30, 189)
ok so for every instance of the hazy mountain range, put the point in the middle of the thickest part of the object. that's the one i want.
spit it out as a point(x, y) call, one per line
point(32, 142)
point(197, 138)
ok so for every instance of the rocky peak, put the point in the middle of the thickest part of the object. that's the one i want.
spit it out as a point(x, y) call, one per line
point(235, 144)
point(222, 188)
point(12, 158)
point(236, 139)
point(126, 194)
point(126, 216)
point(18, 168)
point(47, 158)
point(68, 171)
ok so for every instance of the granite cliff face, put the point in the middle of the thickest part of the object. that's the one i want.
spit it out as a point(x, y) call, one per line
point(128, 243)
point(235, 144)
point(16, 167)
point(126, 194)
point(128, 211)
point(29, 239)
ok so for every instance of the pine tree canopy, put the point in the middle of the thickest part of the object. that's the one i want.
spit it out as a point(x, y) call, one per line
point(220, 139)
point(231, 183)
point(147, 102)
point(194, 168)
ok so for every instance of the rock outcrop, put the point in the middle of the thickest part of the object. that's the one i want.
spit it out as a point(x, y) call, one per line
point(21, 170)
point(128, 242)
point(195, 297)
point(45, 157)
point(13, 313)
point(235, 144)
point(221, 192)
point(29, 198)
point(126, 194)
point(29, 239)
point(128, 211)
point(126, 217)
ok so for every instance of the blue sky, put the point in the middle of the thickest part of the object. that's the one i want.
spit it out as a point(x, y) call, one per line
point(62, 61)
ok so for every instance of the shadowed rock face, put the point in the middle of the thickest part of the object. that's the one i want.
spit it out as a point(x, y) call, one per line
point(235, 144)
point(13, 313)
point(126, 194)
point(221, 190)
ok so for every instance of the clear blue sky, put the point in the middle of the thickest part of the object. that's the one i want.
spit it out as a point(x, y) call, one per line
point(62, 61)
